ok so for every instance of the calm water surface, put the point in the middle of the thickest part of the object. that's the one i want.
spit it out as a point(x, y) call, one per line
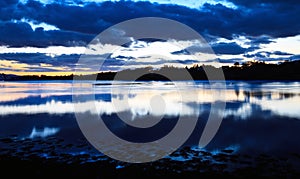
point(260, 116)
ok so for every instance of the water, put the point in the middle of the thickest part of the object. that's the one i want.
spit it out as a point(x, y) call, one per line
point(259, 116)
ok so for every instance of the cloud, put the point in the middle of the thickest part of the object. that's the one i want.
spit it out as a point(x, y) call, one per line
point(230, 61)
point(229, 48)
point(264, 55)
point(187, 62)
point(16, 66)
point(251, 3)
point(295, 57)
point(250, 30)
point(281, 53)
point(35, 25)
point(73, 62)
point(260, 40)
point(261, 54)
point(181, 52)
point(37, 58)
point(8, 2)
point(81, 23)
point(50, 51)
point(21, 34)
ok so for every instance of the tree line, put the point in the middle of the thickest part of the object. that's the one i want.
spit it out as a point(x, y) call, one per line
point(254, 70)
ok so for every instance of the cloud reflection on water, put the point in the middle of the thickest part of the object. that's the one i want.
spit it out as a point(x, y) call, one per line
point(55, 98)
point(47, 131)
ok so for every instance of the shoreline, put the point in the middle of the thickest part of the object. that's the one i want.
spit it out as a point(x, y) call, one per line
point(185, 162)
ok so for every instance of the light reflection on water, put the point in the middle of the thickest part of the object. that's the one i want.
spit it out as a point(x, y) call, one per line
point(45, 132)
point(282, 98)
point(258, 113)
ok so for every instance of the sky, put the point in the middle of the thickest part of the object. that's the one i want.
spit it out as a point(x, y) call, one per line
point(49, 37)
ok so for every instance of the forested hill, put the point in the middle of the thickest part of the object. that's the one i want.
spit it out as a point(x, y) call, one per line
point(289, 70)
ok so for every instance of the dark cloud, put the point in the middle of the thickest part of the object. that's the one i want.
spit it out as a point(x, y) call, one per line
point(123, 57)
point(33, 58)
point(181, 52)
point(217, 48)
point(255, 41)
point(293, 57)
point(220, 60)
point(21, 34)
point(8, 2)
point(281, 53)
point(229, 48)
point(41, 69)
point(93, 62)
point(264, 55)
point(187, 61)
point(37, 58)
point(284, 58)
point(257, 55)
point(155, 63)
point(251, 3)
point(231, 60)
point(80, 24)
point(276, 19)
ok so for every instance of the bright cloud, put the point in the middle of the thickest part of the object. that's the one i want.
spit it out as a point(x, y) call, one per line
point(50, 51)
point(35, 24)
point(287, 44)
point(13, 65)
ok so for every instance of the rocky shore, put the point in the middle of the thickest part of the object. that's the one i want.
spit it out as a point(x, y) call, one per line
point(52, 157)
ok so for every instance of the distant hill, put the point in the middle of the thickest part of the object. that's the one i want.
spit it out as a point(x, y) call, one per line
point(8, 77)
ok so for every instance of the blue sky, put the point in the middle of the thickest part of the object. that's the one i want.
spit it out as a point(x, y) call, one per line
point(48, 37)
